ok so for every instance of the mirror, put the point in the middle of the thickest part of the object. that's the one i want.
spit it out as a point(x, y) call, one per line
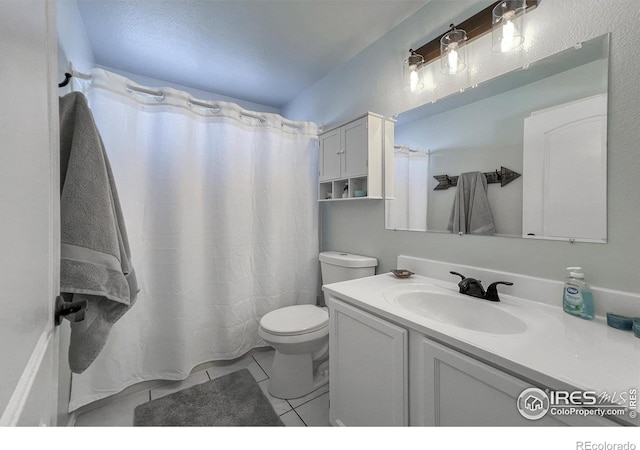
point(538, 134)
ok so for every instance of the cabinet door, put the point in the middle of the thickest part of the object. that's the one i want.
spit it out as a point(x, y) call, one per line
point(367, 369)
point(329, 156)
point(453, 389)
point(355, 148)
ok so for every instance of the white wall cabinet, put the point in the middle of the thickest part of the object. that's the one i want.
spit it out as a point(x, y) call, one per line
point(382, 374)
point(367, 369)
point(351, 158)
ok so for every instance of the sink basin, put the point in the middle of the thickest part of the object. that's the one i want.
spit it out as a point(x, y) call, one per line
point(456, 309)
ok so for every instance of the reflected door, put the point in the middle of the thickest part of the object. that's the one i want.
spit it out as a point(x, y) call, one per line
point(564, 169)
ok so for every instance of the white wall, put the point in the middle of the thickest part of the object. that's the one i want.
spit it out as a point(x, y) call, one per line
point(372, 81)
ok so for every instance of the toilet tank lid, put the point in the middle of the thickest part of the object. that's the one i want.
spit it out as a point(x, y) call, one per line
point(345, 259)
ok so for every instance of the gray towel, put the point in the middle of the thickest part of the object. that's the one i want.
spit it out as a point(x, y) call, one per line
point(95, 257)
point(471, 213)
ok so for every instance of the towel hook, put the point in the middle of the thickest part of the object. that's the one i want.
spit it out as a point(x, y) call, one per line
point(63, 309)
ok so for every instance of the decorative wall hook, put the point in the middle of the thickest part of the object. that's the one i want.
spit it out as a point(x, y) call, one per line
point(503, 176)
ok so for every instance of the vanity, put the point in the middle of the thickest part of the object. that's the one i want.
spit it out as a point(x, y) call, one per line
point(415, 352)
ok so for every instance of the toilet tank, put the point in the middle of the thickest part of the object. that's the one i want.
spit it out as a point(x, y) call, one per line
point(342, 266)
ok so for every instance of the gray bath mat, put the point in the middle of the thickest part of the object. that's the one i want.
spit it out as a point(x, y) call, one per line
point(232, 400)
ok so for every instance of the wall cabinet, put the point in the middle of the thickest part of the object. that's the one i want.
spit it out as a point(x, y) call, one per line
point(367, 369)
point(351, 158)
point(384, 374)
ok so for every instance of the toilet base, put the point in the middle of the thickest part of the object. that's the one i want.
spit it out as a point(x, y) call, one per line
point(293, 376)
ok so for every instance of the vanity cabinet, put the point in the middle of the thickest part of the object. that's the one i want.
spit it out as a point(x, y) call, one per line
point(367, 368)
point(449, 388)
point(382, 374)
point(350, 158)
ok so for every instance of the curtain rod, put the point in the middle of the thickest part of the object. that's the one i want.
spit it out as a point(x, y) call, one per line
point(213, 108)
point(159, 96)
point(216, 109)
point(402, 147)
point(262, 119)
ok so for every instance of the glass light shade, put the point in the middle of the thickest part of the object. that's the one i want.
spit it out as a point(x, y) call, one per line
point(453, 51)
point(508, 25)
point(412, 75)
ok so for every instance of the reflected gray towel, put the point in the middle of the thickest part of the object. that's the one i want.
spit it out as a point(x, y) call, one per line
point(95, 257)
point(471, 212)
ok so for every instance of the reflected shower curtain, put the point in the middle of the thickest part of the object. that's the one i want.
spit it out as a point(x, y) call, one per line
point(222, 218)
point(408, 208)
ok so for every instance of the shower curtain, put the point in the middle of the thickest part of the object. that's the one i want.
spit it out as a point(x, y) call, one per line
point(221, 211)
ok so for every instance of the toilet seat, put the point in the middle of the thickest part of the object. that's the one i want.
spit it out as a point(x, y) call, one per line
point(295, 320)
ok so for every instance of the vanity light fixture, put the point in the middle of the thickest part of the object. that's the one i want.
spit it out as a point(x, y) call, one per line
point(453, 51)
point(507, 25)
point(411, 71)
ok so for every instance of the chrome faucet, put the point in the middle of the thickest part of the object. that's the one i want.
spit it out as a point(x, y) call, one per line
point(473, 287)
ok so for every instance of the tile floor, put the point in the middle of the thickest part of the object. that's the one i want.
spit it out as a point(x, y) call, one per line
point(310, 410)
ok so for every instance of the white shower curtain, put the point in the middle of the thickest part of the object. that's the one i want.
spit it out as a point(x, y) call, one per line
point(221, 212)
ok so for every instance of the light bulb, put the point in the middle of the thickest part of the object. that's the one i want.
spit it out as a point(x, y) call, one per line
point(452, 51)
point(412, 65)
point(508, 32)
point(453, 57)
point(413, 79)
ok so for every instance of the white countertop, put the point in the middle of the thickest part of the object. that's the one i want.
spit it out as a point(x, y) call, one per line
point(556, 350)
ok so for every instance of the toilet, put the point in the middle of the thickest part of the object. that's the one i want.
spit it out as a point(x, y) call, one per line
point(300, 333)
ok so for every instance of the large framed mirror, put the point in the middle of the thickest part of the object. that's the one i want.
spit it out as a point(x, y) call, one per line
point(537, 135)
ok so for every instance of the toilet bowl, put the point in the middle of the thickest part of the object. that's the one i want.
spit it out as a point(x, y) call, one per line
point(300, 336)
point(300, 333)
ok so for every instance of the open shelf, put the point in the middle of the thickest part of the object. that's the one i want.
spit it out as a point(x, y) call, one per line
point(356, 189)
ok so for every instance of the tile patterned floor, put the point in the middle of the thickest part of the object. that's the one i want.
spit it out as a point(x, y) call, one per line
point(310, 410)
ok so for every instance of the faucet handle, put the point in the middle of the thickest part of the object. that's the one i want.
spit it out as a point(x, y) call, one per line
point(492, 290)
point(470, 286)
point(459, 274)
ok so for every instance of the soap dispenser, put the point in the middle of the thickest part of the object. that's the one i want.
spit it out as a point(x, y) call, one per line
point(577, 298)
